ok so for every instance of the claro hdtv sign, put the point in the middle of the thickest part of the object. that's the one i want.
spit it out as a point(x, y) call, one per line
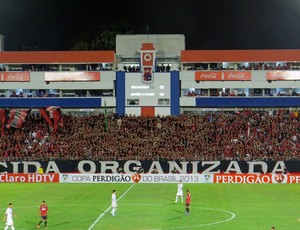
point(28, 178)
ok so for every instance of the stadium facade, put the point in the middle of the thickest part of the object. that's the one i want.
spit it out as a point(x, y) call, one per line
point(150, 75)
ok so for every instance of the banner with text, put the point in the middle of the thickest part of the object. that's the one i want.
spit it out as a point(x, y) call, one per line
point(208, 76)
point(71, 76)
point(15, 76)
point(185, 178)
point(284, 75)
point(257, 178)
point(237, 75)
point(161, 167)
point(136, 178)
point(29, 178)
point(223, 76)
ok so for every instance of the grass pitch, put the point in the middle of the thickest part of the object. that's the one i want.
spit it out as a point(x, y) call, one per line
point(151, 206)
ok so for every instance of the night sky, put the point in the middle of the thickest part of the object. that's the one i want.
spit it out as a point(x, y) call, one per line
point(206, 24)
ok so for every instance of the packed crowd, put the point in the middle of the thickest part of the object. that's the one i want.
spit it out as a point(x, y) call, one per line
point(260, 66)
point(245, 135)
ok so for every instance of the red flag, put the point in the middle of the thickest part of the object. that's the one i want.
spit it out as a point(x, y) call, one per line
point(56, 118)
point(46, 117)
point(52, 115)
point(3, 120)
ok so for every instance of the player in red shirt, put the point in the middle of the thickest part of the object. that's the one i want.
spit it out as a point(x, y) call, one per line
point(43, 211)
point(187, 202)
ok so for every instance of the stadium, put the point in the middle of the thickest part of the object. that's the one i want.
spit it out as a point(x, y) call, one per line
point(77, 125)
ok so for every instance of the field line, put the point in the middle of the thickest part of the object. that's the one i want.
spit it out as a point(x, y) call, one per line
point(102, 214)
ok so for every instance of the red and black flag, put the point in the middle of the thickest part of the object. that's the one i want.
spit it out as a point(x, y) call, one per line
point(17, 118)
point(52, 115)
point(3, 118)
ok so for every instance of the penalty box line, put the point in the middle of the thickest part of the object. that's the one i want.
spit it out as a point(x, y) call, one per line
point(102, 214)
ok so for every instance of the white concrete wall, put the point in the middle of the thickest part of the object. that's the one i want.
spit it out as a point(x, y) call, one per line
point(169, 45)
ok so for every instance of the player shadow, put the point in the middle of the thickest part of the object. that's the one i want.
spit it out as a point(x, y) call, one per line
point(177, 216)
point(60, 224)
point(176, 210)
point(168, 198)
point(50, 226)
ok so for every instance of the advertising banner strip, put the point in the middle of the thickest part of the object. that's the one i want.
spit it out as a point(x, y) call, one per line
point(257, 178)
point(208, 76)
point(223, 76)
point(15, 76)
point(237, 75)
point(185, 178)
point(28, 178)
point(72, 76)
point(136, 178)
point(282, 75)
point(272, 178)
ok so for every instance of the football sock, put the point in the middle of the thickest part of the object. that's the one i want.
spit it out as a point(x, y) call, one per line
point(45, 223)
point(40, 223)
point(187, 210)
point(113, 211)
point(6, 227)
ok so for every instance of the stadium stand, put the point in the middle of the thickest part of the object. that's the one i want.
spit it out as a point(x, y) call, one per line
point(246, 135)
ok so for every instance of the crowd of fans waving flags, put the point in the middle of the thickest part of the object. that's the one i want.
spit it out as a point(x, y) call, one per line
point(15, 118)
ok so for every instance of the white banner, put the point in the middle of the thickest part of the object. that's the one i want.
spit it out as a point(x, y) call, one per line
point(136, 178)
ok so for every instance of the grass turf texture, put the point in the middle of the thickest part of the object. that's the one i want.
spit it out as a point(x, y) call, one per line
point(151, 206)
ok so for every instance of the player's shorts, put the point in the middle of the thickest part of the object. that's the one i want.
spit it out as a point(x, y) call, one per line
point(179, 194)
point(44, 217)
point(187, 204)
point(9, 222)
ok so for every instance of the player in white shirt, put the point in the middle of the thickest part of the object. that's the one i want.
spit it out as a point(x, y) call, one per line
point(113, 203)
point(179, 192)
point(8, 217)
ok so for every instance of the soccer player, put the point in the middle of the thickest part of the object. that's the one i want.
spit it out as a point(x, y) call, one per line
point(8, 217)
point(113, 203)
point(187, 202)
point(179, 192)
point(43, 212)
